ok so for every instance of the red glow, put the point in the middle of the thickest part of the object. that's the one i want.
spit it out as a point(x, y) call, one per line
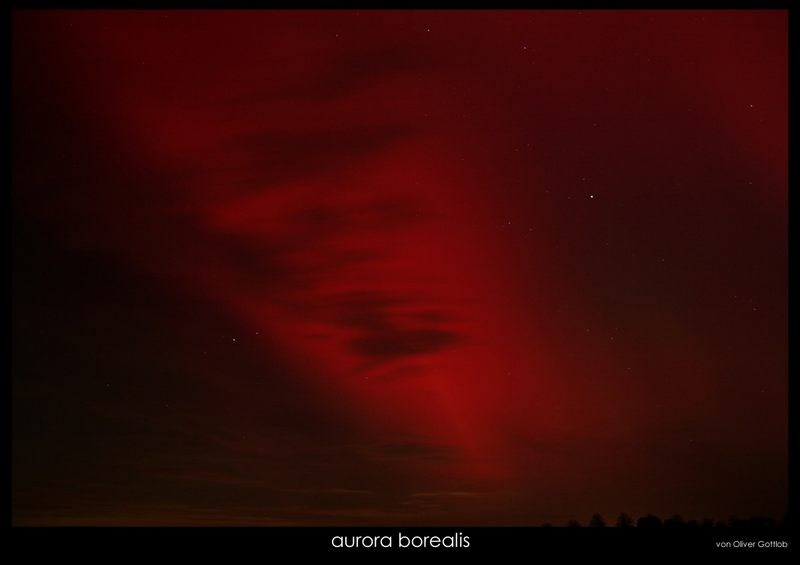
point(512, 238)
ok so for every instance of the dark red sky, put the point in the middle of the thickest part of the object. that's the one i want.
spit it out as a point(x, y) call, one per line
point(398, 267)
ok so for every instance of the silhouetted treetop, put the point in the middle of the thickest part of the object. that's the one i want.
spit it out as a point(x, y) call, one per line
point(624, 521)
point(675, 521)
point(649, 521)
point(597, 521)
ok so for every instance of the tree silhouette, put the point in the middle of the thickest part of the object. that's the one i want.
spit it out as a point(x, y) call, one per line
point(675, 521)
point(624, 521)
point(597, 521)
point(760, 522)
point(649, 521)
point(736, 522)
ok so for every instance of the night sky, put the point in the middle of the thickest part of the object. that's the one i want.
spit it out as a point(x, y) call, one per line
point(407, 268)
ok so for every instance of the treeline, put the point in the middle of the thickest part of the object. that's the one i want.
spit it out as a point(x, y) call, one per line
point(677, 521)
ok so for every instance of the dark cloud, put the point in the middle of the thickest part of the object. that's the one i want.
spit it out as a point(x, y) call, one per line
point(357, 69)
point(275, 157)
point(336, 219)
point(403, 372)
point(396, 343)
point(417, 450)
point(367, 311)
point(393, 326)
